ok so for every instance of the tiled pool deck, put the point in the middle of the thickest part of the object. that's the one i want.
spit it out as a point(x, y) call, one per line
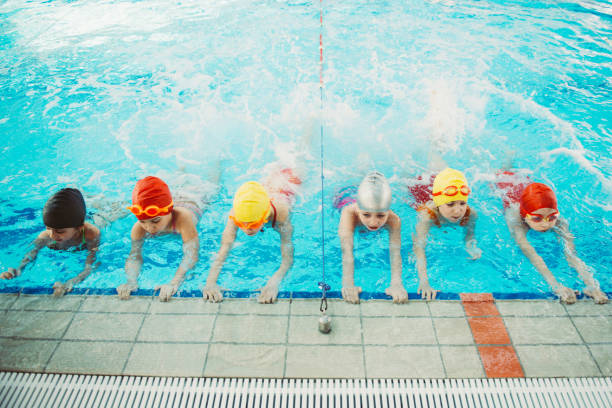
point(241, 338)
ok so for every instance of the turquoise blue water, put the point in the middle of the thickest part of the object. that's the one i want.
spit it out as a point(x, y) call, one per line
point(97, 94)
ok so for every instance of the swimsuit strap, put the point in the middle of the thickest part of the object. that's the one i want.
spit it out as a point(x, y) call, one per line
point(432, 214)
point(274, 217)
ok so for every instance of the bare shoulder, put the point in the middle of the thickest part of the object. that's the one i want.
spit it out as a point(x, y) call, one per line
point(138, 233)
point(394, 220)
point(91, 232)
point(282, 211)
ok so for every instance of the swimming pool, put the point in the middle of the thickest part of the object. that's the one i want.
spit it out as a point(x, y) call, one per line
point(98, 94)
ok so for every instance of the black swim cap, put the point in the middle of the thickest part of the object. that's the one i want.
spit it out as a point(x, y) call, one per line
point(65, 209)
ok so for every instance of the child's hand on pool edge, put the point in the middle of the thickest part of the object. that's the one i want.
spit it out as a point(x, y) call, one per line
point(166, 291)
point(599, 297)
point(398, 293)
point(124, 291)
point(426, 291)
point(60, 289)
point(212, 293)
point(566, 295)
point(268, 293)
point(351, 293)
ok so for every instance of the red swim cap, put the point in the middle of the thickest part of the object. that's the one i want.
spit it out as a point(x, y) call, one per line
point(536, 196)
point(151, 191)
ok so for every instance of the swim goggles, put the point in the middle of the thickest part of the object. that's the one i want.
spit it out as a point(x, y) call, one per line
point(539, 218)
point(453, 190)
point(249, 225)
point(151, 210)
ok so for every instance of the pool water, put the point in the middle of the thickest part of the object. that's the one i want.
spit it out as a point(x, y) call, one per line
point(97, 94)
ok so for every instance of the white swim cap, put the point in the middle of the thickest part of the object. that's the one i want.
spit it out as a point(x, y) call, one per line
point(374, 193)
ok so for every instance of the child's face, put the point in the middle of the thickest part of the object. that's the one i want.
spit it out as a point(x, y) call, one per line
point(156, 224)
point(454, 211)
point(548, 219)
point(373, 220)
point(63, 234)
point(251, 231)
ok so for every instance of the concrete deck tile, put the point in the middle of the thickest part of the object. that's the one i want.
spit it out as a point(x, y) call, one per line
point(530, 308)
point(184, 328)
point(104, 326)
point(324, 362)
point(462, 362)
point(488, 330)
point(594, 329)
point(453, 330)
point(398, 330)
point(240, 360)
point(446, 308)
point(7, 300)
point(603, 356)
point(184, 306)
point(388, 308)
point(67, 303)
point(35, 324)
point(252, 307)
point(250, 329)
point(304, 330)
point(25, 355)
point(89, 357)
point(557, 361)
point(589, 308)
point(500, 362)
point(112, 304)
point(335, 307)
point(167, 359)
point(403, 362)
point(541, 330)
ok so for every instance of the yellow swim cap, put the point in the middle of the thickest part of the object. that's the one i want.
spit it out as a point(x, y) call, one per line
point(251, 202)
point(457, 182)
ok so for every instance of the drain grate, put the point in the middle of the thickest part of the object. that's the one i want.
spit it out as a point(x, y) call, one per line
point(64, 390)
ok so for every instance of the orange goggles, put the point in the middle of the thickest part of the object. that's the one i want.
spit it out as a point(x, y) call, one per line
point(249, 225)
point(539, 218)
point(453, 190)
point(151, 210)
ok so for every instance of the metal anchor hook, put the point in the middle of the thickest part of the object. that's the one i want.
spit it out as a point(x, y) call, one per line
point(324, 320)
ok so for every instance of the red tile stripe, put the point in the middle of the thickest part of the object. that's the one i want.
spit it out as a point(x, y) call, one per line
point(496, 351)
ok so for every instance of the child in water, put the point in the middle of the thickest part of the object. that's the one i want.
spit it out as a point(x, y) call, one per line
point(529, 205)
point(441, 203)
point(159, 214)
point(64, 218)
point(255, 207)
point(370, 210)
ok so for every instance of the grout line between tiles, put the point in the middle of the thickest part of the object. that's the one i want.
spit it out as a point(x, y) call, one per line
point(144, 317)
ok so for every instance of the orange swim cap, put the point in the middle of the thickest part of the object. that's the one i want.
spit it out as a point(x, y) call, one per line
point(151, 191)
point(536, 196)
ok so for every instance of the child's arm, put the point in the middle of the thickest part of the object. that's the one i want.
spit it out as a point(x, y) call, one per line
point(519, 233)
point(211, 291)
point(346, 231)
point(40, 241)
point(270, 291)
point(92, 240)
point(419, 241)
point(396, 289)
point(133, 264)
point(470, 241)
point(592, 286)
point(191, 248)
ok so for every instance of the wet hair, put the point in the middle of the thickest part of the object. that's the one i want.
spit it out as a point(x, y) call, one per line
point(374, 193)
point(65, 209)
